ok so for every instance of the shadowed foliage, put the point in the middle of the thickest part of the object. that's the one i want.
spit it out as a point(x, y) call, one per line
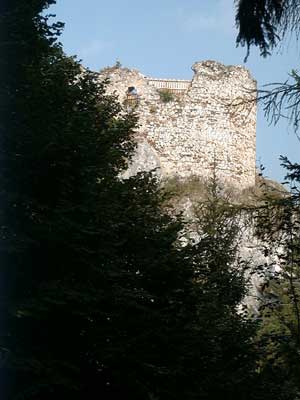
point(264, 22)
point(100, 299)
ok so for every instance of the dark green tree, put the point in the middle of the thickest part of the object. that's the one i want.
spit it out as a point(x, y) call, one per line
point(226, 350)
point(264, 23)
point(100, 299)
point(279, 335)
point(63, 144)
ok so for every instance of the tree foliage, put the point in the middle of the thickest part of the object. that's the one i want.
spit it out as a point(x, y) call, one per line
point(278, 225)
point(100, 297)
point(222, 287)
point(267, 23)
point(281, 100)
point(264, 23)
point(63, 144)
point(258, 21)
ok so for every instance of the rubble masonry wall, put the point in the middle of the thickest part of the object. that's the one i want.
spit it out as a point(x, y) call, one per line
point(209, 122)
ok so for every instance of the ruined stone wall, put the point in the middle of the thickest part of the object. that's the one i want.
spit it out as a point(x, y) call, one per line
point(209, 122)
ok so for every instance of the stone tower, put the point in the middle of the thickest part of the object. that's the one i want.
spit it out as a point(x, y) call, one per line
point(193, 127)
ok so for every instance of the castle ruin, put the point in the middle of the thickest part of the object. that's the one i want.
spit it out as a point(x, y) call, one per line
point(190, 128)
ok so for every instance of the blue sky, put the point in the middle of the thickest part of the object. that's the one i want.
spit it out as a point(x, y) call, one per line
point(163, 38)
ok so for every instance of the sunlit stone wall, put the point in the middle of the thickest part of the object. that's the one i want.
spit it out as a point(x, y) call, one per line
point(197, 126)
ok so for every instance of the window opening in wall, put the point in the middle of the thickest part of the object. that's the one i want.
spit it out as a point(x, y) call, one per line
point(132, 97)
point(132, 91)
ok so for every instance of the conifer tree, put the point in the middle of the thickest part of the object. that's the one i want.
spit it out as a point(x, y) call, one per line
point(63, 144)
point(97, 293)
point(100, 299)
point(225, 351)
point(279, 335)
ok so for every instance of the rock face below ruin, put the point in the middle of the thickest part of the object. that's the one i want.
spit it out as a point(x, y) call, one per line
point(192, 127)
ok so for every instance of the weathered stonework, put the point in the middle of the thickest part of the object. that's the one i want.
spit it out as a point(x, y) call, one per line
point(206, 123)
